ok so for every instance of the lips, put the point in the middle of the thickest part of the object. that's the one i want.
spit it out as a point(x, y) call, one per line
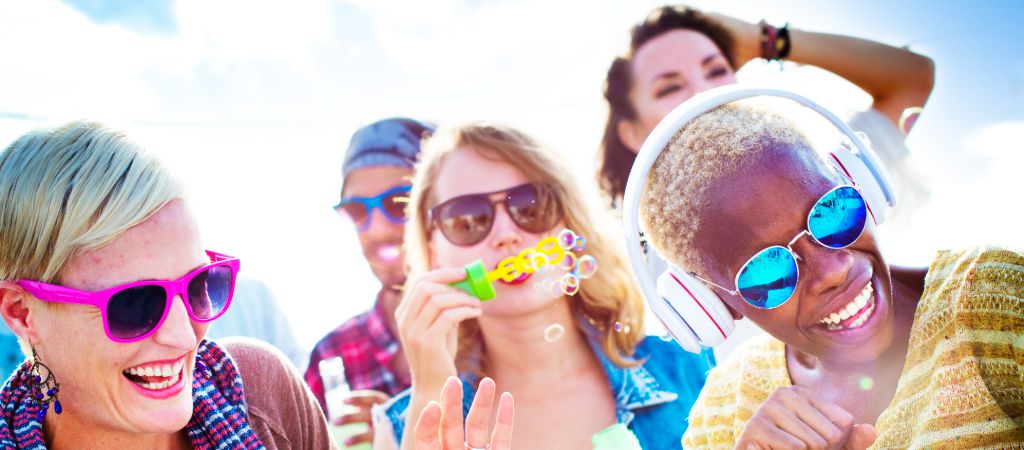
point(156, 376)
point(853, 314)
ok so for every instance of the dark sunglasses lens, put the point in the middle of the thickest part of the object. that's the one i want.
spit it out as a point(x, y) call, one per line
point(467, 220)
point(355, 211)
point(394, 206)
point(209, 292)
point(135, 311)
point(532, 209)
point(837, 220)
point(769, 279)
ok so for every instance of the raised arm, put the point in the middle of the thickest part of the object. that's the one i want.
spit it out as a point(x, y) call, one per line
point(896, 78)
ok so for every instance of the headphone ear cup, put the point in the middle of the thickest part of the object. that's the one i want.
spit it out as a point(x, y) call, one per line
point(873, 189)
point(694, 308)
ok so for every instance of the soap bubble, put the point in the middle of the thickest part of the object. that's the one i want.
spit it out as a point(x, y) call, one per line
point(586, 266)
point(580, 244)
point(570, 284)
point(568, 261)
point(554, 287)
point(566, 239)
point(538, 261)
point(554, 332)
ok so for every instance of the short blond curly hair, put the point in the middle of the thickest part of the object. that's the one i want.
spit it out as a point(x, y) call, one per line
point(720, 143)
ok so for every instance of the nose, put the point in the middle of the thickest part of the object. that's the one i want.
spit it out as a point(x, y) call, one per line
point(380, 227)
point(505, 234)
point(821, 268)
point(177, 330)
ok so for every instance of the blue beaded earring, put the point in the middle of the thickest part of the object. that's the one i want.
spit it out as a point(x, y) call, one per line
point(44, 389)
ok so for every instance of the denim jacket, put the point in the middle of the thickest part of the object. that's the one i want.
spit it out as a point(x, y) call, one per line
point(653, 400)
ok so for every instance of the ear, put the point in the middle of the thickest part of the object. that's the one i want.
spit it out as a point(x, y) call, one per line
point(15, 311)
point(629, 135)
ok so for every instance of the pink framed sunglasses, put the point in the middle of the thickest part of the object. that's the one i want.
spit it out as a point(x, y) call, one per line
point(134, 311)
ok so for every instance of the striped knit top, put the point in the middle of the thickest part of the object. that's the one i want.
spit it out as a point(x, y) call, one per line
point(963, 382)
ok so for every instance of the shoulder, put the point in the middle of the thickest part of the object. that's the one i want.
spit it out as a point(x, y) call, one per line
point(280, 407)
point(266, 372)
point(760, 356)
point(392, 413)
point(352, 331)
point(665, 357)
point(980, 280)
point(735, 389)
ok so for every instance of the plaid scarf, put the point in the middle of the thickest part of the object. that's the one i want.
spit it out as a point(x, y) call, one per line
point(218, 411)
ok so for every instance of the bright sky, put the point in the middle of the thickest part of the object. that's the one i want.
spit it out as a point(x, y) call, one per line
point(253, 102)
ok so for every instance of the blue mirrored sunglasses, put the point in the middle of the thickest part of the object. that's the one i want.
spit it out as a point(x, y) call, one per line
point(768, 279)
point(391, 202)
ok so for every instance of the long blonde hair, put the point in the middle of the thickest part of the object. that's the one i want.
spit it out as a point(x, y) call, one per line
point(608, 297)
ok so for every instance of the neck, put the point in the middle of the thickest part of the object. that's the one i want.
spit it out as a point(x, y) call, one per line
point(389, 300)
point(68, 431)
point(507, 339)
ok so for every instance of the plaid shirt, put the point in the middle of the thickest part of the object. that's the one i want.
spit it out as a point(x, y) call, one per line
point(366, 347)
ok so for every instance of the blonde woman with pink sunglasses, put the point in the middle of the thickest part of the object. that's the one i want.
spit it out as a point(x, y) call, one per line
point(105, 281)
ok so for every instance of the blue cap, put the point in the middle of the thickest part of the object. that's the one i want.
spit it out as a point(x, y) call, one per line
point(388, 142)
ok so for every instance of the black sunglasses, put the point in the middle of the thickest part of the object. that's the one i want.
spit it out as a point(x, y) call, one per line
point(466, 220)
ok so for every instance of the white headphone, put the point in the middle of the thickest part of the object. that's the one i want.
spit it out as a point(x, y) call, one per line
point(691, 312)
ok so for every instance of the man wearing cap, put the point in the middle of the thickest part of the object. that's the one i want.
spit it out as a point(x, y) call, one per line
point(376, 175)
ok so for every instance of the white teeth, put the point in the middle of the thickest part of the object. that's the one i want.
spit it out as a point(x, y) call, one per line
point(855, 306)
point(170, 371)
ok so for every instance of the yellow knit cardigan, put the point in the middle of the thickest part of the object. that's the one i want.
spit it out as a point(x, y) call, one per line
point(963, 382)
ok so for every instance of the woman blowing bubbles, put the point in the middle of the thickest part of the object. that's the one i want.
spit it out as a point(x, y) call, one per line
point(105, 280)
point(582, 362)
point(859, 351)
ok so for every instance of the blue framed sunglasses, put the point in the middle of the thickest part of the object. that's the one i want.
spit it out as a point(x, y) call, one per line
point(768, 279)
point(391, 202)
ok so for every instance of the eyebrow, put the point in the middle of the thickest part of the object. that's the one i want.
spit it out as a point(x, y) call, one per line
point(703, 62)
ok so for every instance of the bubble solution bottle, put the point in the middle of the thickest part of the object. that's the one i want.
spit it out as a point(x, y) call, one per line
point(332, 372)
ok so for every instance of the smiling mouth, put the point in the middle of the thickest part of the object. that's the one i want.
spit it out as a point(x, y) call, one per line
point(155, 377)
point(853, 314)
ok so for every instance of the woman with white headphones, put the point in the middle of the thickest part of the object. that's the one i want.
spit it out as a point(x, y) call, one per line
point(755, 223)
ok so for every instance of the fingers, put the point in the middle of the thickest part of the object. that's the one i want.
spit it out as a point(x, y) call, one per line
point(811, 420)
point(501, 439)
point(761, 434)
point(861, 437)
point(365, 437)
point(479, 418)
point(793, 417)
point(365, 398)
point(425, 434)
point(359, 416)
point(452, 433)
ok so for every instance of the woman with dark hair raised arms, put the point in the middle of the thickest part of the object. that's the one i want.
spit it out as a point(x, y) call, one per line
point(676, 52)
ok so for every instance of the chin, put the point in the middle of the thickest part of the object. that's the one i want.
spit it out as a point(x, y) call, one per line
point(164, 411)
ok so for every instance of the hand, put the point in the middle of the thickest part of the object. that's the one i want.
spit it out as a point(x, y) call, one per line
point(363, 400)
point(746, 38)
point(440, 425)
point(793, 418)
point(428, 319)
